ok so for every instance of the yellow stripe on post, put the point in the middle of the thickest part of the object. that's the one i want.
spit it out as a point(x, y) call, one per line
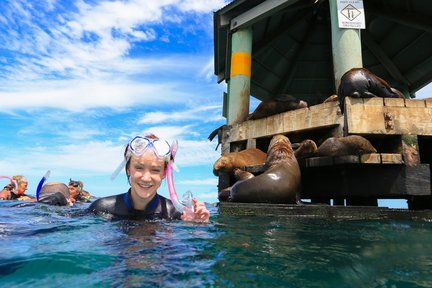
point(241, 64)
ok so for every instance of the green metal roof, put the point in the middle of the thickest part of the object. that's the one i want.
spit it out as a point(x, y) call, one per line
point(292, 52)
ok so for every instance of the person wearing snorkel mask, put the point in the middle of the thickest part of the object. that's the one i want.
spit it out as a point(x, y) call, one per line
point(77, 192)
point(146, 159)
point(19, 192)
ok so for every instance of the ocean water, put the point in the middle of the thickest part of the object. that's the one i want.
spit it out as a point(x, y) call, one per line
point(43, 246)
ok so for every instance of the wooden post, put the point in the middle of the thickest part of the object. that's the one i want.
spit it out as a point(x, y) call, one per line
point(346, 46)
point(239, 82)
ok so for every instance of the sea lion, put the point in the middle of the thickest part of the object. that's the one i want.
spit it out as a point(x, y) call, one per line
point(305, 149)
point(278, 104)
point(280, 183)
point(349, 145)
point(218, 131)
point(361, 83)
point(54, 193)
point(240, 175)
point(232, 160)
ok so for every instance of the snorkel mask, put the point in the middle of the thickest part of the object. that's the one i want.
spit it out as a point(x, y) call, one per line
point(139, 145)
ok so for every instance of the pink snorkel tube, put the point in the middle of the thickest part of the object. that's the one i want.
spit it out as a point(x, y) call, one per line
point(185, 206)
point(13, 181)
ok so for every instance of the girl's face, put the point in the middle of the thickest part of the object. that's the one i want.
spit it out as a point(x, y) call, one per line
point(146, 173)
point(22, 187)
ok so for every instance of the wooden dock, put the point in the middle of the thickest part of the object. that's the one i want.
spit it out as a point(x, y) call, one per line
point(351, 179)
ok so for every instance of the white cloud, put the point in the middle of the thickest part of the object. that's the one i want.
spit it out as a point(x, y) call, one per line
point(80, 95)
point(203, 113)
point(202, 6)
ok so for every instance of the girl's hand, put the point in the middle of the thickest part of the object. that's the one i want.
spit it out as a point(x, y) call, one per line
point(201, 214)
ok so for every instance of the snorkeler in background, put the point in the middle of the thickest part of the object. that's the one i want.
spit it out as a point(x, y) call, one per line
point(77, 192)
point(146, 159)
point(18, 193)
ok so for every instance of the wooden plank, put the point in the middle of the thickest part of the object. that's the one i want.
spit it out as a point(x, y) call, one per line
point(373, 118)
point(397, 102)
point(389, 158)
point(372, 158)
point(317, 116)
point(415, 103)
point(346, 159)
point(319, 161)
point(428, 102)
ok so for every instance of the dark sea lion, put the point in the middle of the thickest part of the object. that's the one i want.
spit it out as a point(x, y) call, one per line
point(349, 145)
point(278, 104)
point(306, 148)
point(280, 183)
point(240, 175)
point(218, 131)
point(54, 193)
point(361, 83)
point(232, 160)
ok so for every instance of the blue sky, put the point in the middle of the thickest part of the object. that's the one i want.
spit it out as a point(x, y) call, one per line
point(78, 79)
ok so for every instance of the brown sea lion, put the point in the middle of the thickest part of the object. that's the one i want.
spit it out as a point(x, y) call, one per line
point(349, 145)
point(306, 148)
point(232, 160)
point(361, 83)
point(280, 183)
point(278, 104)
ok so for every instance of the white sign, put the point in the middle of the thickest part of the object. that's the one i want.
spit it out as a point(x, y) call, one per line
point(351, 14)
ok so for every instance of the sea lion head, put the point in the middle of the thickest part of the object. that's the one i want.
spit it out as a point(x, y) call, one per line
point(279, 150)
point(242, 175)
point(223, 164)
point(306, 148)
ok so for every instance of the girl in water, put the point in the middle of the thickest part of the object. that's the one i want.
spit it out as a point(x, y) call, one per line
point(146, 159)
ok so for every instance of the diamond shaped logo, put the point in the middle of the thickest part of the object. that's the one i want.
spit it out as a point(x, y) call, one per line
point(350, 12)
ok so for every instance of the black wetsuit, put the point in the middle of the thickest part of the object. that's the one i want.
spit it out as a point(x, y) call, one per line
point(14, 196)
point(121, 207)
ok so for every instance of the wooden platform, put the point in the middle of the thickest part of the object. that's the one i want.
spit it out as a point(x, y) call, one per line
point(351, 179)
point(322, 211)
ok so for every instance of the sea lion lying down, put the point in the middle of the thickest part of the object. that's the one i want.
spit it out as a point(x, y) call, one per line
point(361, 83)
point(278, 104)
point(241, 159)
point(349, 145)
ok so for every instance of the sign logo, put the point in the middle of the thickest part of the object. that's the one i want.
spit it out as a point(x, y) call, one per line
point(351, 14)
